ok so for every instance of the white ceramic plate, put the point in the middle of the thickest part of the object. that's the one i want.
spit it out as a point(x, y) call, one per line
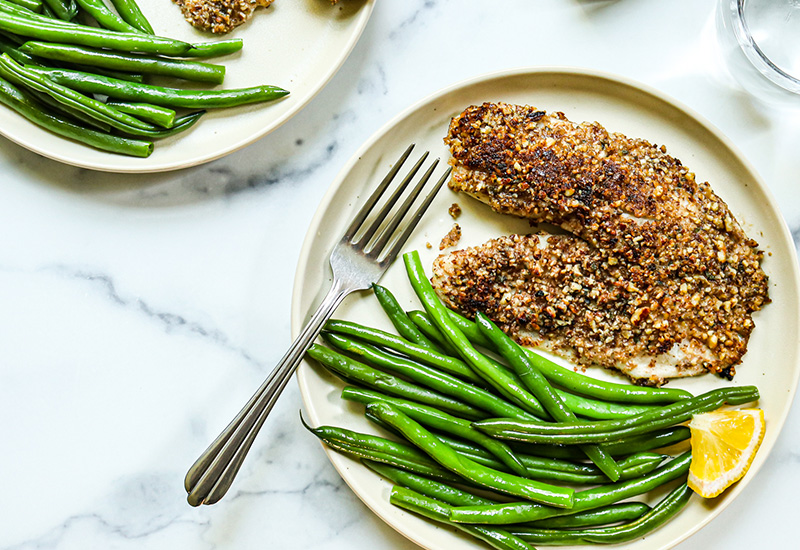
point(297, 45)
point(771, 363)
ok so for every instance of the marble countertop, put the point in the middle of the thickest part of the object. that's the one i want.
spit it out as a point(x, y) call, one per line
point(138, 313)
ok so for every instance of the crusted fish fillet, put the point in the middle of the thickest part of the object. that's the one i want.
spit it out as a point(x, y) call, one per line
point(656, 277)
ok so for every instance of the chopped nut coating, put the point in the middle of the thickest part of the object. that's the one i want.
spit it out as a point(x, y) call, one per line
point(655, 277)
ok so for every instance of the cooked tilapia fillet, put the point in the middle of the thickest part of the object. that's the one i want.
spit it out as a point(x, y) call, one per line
point(549, 291)
point(657, 277)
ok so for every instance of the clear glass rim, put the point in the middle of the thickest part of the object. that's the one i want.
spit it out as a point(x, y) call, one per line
point(755, 54)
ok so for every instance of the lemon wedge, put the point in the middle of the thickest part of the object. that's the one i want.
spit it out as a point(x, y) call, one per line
point(724, 443)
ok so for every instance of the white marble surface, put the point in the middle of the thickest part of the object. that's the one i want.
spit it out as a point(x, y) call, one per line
point(137, 313)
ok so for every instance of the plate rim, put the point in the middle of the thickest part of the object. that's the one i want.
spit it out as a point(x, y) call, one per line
point(341, 462)
point(361, 23)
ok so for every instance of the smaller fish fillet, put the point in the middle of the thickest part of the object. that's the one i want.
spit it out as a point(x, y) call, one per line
point(559, 293)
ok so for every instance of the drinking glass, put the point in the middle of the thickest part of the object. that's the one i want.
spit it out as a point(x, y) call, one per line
point(760, 40)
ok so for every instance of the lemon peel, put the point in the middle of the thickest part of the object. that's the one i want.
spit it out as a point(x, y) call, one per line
point(724, 443)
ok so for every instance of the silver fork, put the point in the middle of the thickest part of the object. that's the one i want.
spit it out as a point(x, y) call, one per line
point(357, 263)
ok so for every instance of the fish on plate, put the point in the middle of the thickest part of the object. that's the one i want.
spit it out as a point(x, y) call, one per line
point(652, 275)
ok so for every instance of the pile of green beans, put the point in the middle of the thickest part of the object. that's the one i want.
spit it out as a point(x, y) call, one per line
point(498, 441)
point(78, 68)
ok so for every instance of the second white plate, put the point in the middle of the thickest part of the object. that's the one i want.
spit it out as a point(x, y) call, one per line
point(297, 45)
point(621, 106)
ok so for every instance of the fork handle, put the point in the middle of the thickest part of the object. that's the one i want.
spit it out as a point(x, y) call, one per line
point(211, 475)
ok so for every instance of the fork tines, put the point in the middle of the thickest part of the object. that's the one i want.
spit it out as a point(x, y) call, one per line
point(374, 239)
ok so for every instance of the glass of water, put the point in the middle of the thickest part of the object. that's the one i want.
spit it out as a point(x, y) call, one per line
point(760, 41)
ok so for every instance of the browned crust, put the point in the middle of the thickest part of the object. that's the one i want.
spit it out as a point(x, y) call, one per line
point(452, 237)
point(666, 245)
point(219, 16)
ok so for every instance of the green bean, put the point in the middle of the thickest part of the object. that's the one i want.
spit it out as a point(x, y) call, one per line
point(63, 9)
point(564, 477)
point(105, 17)
point(610, 391)
point(574, 433)
point(25, 106)
point(531, 461)
point(634, 464)
point(424, 324)
point(458, 497)
point(11, 49)
point(33, 5)
point(498, 378)
point(601, 516)
point(23, 11)
point(541, 389)
point(181, 125)
point(651, 520)
point(620, 447)
point(132, 14)
point(13, 39)
point(580, 405)
point(518, 512)
point(333, 434)
point(121, 75)
point(154, 114)
point(737, 395)
point(46, 16)
point(9, 45)
point(424, 355)
point(649, 441)
point(77, 112)
point(380, 449)
point(399, 319)
point(486, 459)
point(378, 422)
point(470, 330)
point(428, 487)
point(57, 107)
point(43, 28)
point(88, 105)
point(439, 511)
point(353, 370)
point(428, 469)
point(600, 410)
point(441, 422)
point(468, 469)
point(120, 61)
point(159, 95)
point(427, 376)
point(637, 466)
point(640, 464)
point(216, 48)
point(571, 454)
point(579, 383)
